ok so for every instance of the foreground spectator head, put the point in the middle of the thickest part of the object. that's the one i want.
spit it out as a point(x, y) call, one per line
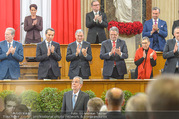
point(136, 106)
point(163, 93)
point(95, 104)
point(114, 99)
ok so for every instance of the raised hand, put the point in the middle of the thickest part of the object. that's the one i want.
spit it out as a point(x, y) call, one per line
point(52, 49)
point(118, 51)
point(175, 47)
point(84, 51)
point(152, 54)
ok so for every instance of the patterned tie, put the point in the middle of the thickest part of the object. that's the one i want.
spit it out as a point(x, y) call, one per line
point(48, 44)
point(73, 99)
point(9, 45)
point(155, 21)
point(114, 45)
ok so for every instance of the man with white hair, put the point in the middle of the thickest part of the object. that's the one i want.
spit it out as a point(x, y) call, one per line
point(11, 53)
point(75, 101)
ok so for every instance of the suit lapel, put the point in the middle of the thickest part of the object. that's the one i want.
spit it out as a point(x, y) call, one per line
point(44, 46)
point(78, 99)
point(110, 44)
point(118, 43)
point(71, 103)
point(6, 46)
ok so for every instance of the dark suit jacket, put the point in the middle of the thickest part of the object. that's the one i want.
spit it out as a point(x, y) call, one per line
point(47, 61)
point(109, 60)
point(175, 24)
point(162, 25)
point(96, 29)
point(80, 105)
point(115, 115)
point(170, 64)
point(79, 61)
point(33, 31)
point(10, 62)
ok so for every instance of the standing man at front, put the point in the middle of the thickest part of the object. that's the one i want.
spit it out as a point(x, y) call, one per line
point(79, 54)
point(113, 52)
point(75, 100)
point(156, 30)
point(11, 53)
point(171, 53)
point(48, 54)
point(96, 21)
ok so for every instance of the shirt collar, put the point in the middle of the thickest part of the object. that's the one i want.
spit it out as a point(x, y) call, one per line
point(112, 41)
point(154, 20)
point(76, 93)
point(78, 42)
point(47, 42)
point(96, 12)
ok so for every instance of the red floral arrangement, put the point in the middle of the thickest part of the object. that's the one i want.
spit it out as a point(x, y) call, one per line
point(127, 28)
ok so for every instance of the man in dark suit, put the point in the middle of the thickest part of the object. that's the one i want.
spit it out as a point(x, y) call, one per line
point(156, 30)
point(75, 101)
point(11, 53)
point(113, 52)
point(175, 24)
point(48, 54)
point(114, 100)
point(96, 21)
point(79, 54)
point(171, 53)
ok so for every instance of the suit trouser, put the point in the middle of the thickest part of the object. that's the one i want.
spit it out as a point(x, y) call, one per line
point(115, 74)
point(8, 75)
point(50, 75)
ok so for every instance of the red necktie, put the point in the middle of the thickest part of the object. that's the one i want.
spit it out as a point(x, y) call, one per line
point(114, 45)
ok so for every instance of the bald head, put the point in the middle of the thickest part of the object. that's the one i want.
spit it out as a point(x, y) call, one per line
point(114, 97)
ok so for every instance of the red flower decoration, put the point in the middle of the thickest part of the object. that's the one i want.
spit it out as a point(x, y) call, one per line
point(127, 28)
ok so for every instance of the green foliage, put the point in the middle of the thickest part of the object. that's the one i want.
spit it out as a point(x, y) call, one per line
point(4, 93)
point(127, 95)
point(103, 95)
point(90, 93)
point(31, 99)
point(51, 99)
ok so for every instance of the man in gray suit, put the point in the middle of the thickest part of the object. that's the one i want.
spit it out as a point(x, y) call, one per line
point(79, 54)
point(48, 54)
point(171, 53)
point(113, 52)
point(75, 101)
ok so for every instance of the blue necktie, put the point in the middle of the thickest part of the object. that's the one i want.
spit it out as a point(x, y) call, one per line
point(9, 44)
point(73, 99)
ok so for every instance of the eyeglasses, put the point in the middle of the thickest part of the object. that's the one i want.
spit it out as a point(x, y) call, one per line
point(96, 5)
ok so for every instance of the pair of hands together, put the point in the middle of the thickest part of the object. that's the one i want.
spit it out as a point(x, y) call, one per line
point(50, 50)
point(83, 50)
point(115, 50)
point(34, 22)
point(154, 28)
point(151, 55)
point(11, 51)
point(97, 17)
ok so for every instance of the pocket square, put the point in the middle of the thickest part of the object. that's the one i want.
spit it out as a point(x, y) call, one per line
point(161, 25)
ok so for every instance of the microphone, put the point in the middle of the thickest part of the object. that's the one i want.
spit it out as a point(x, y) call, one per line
point(22, 23)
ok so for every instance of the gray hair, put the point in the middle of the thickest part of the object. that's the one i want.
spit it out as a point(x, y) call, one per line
point(146, 38)
point(77, 77)
point(156, 8)
point(176, 28)
point(11, 29)
point(114, 28)
point(93, 1)
point(79, 31)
